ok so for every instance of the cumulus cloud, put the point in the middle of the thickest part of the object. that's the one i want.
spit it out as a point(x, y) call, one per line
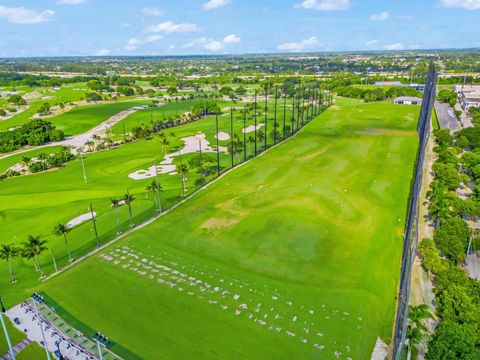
point(324, 5)
point(464, 4)
point(214, 4)
point(152, 11)
point(170, 27)
point(21, 15)
point(304, 45)
point(134, 43)
point(396, 46)
point(231, 39)
point(382, 16)
point(103, 52)
point(213, 45)
point(71, 2)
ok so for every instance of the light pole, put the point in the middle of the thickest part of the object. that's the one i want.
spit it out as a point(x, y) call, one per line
point(94, 222)
point(12, 353)
point(159, 206)
point(83, 168)
point(100, 340)
point(38, 298)
point(54, 262)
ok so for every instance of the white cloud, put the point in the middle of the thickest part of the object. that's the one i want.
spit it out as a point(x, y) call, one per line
point(21, 15)
point(152, 11)
point(103, 52)
point(170, 27)
point(134, 43)
point(371, 43)
point(213, 45)
point(324, 5)
point(396, 46)
point(214, 4)
point(71, 2)
point(125, 25)
point(382, 16)
point(231, 39)
point(464, 4)
point(304, 45)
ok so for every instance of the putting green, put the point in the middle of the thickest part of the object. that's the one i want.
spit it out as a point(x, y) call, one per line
point(294, 255)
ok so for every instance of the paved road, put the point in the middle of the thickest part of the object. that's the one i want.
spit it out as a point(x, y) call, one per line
point(446, 117)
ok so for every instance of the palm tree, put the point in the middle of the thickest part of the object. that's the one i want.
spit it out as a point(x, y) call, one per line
point(164, 142)
point(32, 248)
point(8, 253)
point(26, 161)
point(62, 229)
point(115, 205)
point(183, 169)
point(153, 188)
point(416, 327)
point(42, 157)
point(127, 199)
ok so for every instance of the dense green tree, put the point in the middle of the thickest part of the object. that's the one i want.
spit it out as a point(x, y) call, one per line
point(452, 238)
point(452, 341)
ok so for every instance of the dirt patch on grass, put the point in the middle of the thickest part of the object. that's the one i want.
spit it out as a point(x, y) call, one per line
point(380, 131)
point(216, 223)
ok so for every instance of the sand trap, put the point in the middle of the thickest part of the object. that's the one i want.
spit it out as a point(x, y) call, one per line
point(222, 136)
point(251, 128)
point(80, 219)
point(380, 351)
point(166, 166)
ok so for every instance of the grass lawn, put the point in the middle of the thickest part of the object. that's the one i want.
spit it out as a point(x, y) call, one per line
point(84, 118)
point(30, 204)
point(32, 351)
point(15, 336)
point(294, 255)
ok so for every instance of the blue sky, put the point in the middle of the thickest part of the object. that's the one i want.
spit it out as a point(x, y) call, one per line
point(147, 27)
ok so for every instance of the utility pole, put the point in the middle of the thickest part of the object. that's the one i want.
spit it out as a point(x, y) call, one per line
point(5, 330)
point(244, 134)
point(159, 206)
point(37, 298)
point(94, 223)
point(231, 137)
point(266, 115)
point(255, 121)
point(54, 262)
point(284, 111)
point(218, 150)
point(275, 117)
point(83, 167)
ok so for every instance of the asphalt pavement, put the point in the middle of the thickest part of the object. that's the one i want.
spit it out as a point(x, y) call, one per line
point(446, 117)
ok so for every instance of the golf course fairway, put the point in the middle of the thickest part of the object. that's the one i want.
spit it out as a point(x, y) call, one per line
point(296, 254)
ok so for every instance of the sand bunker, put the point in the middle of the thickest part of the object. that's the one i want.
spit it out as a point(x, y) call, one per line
point(251, 128)
point(166, 166)
point(80, 219)
point(222, 136)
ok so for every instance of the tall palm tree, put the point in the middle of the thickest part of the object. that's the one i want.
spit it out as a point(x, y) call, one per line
point(42, 157)
point(8, 253)
point(182, 170)
point(127, 199)
point(115, 203)
point(153, 188)
point(416, 327)
point(26, 161)
point(63, 229)
point(32, 248)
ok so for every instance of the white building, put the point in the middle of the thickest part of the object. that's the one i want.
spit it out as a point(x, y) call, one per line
point(407, 100)
point(468, 95)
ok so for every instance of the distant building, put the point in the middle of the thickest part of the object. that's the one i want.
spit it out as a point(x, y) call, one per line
point(468, 96)
point(418, 87)
point(407, 100)
point(388, 83)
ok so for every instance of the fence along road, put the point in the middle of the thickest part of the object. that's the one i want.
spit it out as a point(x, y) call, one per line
point(410, 240)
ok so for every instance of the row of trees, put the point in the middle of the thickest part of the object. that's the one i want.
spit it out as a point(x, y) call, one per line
point(457, 296)
point(377, 94)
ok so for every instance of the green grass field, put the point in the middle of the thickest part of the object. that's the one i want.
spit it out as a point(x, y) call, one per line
point(294, 255)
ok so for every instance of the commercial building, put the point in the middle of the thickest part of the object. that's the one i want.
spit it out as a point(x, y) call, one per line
point(468, 96)
point(407, 100)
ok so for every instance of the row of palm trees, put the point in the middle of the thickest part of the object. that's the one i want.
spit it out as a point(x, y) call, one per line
point(34, 246)
point(30, 249)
